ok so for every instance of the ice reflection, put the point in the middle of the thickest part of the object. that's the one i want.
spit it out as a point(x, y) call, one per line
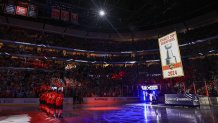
point(132, 113)
point(190, 116)
point(22, 118)
point(146, 113)
point(150, 113)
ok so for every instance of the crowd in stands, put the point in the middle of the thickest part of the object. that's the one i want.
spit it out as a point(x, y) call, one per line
point(91, 80)
point(41, 52)
point(53, 53)
point(23, 62)
point(19, 84)
point(79, 82)
point(41, 37)
point(88, 80)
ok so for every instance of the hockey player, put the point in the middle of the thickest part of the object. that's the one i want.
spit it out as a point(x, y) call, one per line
point(59, 104)
point(53, 103)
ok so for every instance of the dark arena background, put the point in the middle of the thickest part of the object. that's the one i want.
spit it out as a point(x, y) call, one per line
point(109, 61)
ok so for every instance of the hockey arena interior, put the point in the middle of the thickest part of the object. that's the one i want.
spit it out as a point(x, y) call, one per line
point(108, 61)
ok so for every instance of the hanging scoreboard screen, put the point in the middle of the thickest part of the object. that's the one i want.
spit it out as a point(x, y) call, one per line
point(170, 56)
point(149, 87)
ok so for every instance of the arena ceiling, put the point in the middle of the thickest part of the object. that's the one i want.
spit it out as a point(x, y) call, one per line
point(136, 15)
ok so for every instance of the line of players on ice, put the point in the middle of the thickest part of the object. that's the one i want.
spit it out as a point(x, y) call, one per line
point(51, 102)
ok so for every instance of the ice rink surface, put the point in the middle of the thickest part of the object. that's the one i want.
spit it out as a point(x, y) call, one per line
point(122, 113)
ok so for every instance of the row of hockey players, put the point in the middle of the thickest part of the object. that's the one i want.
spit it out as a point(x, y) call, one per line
point(51, 102)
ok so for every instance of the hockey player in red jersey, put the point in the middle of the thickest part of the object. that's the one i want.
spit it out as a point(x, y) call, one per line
point(42, 101)
point(52, 103)
point(48, 102)
point(59, 104)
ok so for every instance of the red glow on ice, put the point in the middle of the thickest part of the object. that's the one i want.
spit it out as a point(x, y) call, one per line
point(102, 108)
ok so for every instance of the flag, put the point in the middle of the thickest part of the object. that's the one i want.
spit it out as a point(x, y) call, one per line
point(184, 87)
point(32, 10)
point(194, 88)
point(206, 88)
point(21, 10)
point(64, 15)
point(55, 13)
point(74, 18)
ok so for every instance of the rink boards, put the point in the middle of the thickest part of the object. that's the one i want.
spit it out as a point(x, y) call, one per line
point(202, 100)
point(70, 100)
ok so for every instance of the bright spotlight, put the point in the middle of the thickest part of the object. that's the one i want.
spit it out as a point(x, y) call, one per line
point(101, 12)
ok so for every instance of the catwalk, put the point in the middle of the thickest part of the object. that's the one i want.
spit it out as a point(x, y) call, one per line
point(125, 113)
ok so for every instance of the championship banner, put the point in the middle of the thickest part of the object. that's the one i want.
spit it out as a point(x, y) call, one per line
point(32, 10)
point(170, 56)
point(74, 18)
point(55, 13)
point(21, 11)
point(65, 15)
point(10, 9)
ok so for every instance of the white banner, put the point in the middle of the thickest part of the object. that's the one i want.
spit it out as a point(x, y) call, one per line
point(170, 56)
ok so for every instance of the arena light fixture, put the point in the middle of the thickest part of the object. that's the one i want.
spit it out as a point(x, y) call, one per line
point(101, 13)
point(211, 51)
point(201, 54)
